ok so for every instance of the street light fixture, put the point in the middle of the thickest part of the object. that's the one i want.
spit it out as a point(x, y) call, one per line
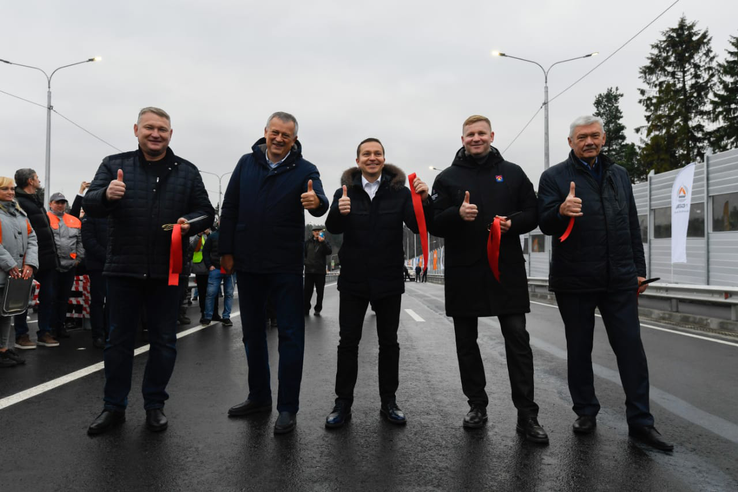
point(49, 107)
point(220, 188)
point(545, 95)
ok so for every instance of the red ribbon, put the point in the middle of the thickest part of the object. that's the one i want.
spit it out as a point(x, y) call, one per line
point(420, 218)
point(175, 255)
point(493, 247)
point(568, 230)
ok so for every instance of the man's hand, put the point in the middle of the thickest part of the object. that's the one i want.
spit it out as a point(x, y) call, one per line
point(226, 262)
point(641, 286)
point(421, 189)
point(116, 188)
point(344, 203)
point(83, 187)
point(309, 199)
point(468, 211)
point(321, 239)
point(211, 268)
point(505, 224)
point(572, 206)
point(184, 226)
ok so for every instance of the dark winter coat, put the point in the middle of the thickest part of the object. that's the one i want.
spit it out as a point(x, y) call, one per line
point(210, 255)
point(156, 194)
point(496, 187)
point(262, 219)
point(315, 254)
point(604, 251)
point(95, 241)
point(372, 252)
point(34, 207)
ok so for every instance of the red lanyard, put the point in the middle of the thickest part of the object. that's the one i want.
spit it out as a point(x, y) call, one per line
point(493, 247)
point(175, 255)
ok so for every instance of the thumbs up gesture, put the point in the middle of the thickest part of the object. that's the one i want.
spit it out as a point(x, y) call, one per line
point(572, 206)
point(468, 211)
point(116, 188)
point(344, 203)
point(309, 199)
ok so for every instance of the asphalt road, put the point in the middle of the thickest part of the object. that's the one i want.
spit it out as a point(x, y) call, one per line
point(46, 406)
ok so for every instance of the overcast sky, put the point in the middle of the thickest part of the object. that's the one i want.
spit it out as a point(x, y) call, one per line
point(407, 72)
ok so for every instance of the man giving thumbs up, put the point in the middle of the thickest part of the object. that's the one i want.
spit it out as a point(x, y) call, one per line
point(139, 192)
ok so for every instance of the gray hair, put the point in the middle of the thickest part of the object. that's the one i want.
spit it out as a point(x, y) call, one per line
point(22, 176)
point(157, 111)
point(286, 117)
point(584, 121)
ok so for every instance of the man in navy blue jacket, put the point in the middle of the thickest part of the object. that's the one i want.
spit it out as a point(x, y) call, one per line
point(265, 199)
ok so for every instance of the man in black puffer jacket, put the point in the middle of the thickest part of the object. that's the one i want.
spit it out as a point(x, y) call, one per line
point(140, 192)
point(479, 186)
point(369, 211)
point(29, 196)
point(587, 204)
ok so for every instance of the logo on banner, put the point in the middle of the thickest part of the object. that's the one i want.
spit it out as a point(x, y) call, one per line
point(499, 178)
point(682, 194)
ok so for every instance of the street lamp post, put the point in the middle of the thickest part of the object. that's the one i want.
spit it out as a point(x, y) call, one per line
point(49, 107)
point(220, 187)
point(545, 95)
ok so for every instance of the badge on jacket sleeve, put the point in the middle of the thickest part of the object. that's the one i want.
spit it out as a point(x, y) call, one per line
point(499, 178)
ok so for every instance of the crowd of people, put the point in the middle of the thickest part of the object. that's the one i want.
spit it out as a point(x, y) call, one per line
point(149, 222)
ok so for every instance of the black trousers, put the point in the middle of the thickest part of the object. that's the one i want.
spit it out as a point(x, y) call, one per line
point(351, 320)
point(519, 362)
point(316, 280)
point(619, 312)
point(98, 306)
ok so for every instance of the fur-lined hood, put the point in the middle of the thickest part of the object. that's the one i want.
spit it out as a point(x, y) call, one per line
point(390, 172)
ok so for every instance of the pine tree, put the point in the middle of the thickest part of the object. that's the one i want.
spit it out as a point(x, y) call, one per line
point(725, 102)
point(680, 76)
point(607, 107)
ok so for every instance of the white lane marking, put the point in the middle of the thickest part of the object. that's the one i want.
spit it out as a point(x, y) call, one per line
point(733, 344)
point(55, 383)
point(414, 315)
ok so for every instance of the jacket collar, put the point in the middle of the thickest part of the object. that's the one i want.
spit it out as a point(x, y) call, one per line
point(462, 159)
point(392, 176)
point(259, 150)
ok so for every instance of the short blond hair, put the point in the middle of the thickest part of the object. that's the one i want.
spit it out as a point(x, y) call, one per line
point(6, 182)
point(157, 111)
point(475, 118)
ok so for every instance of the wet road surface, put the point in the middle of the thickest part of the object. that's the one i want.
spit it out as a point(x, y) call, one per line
point(46, 406)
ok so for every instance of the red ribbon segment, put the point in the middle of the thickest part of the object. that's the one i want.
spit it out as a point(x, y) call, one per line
point(568, 230)
point(420, 218)
point(175, 255)
point(493, 248)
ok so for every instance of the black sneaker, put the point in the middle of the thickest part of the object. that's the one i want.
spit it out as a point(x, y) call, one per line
point(227, 322)
point(6, 360)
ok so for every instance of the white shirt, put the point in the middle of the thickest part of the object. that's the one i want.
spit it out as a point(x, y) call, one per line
point(275, 164)
point(371, 188)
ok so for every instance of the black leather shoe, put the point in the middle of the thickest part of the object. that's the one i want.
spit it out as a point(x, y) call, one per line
point(650, 436)
point(476, 417)
point(62, 333)
point(585, 424)
point(392, 413)
point(340, 415)
point(532, 430)
point(248, 407)
point(156, 421)
point(106, 421)
point(285, 423)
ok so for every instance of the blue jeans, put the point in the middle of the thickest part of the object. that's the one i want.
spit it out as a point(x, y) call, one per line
point(214, 279)
point(128, 299)
point(286, 291)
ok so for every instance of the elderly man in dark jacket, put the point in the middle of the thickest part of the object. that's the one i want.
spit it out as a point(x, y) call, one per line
point(478, 187)
point(261, 239)
point(369, 210)
point(316, 251)
point(587, 204)
point(29, 195)
point(140, 192)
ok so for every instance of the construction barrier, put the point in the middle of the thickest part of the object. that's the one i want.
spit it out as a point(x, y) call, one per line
point(79, 297)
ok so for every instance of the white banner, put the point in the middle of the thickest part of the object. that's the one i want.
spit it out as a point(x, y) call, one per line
point(681, 198)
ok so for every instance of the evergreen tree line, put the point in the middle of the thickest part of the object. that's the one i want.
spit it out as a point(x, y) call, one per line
point(690, 100)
